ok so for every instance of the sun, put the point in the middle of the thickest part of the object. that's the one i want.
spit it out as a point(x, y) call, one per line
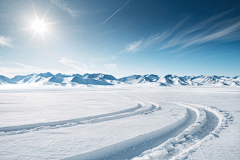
point(39, 26)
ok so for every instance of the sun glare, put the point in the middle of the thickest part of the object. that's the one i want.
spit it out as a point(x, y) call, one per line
point(39, 26)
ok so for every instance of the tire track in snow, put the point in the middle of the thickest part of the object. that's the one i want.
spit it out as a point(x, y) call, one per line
point(141, 108)
point(210, 121)
point(175, 141)
point(135, 146)
point(217, 120)
point(211, 124)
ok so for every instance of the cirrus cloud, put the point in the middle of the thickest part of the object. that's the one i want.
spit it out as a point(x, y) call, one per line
point(6, 42)
point(135, 46)
point(78, 66)
point(217, 28)
point(110, 66)
point(65, 7)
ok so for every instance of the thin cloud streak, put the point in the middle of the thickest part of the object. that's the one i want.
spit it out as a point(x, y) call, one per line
point(134, 47)
point(6, 42)
point(114, 13)
point(110, 66)
point(81, 67)
point(217, 35)
point(62, 5)
point(153, 39)
point(110, 17)
point(216, 28)
point(11, 69)
point(217, 32)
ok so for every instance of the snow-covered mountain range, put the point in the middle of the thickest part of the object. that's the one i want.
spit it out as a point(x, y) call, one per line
point(105, 79)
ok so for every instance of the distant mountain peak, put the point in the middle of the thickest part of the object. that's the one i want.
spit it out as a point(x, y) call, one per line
point(46, 75)
point(106, 79)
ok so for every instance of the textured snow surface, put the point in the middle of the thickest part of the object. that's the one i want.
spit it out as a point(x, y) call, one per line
point(40, 106)
point(137, 122)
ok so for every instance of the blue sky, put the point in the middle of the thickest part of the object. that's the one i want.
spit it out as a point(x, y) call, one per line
point(120, 37)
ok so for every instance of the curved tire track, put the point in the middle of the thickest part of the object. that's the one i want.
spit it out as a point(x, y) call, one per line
point(172, 142)
point(216, 121)
point(20, 129)
point(135, 146)
point(180, 146)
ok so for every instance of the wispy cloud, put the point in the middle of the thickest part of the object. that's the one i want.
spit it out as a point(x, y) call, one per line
point(182, 35)
point(157, 38)
point(206, 31)
point(185, 52)
point(65, 7)
point(77, 66)
point(6, 42)
point(11, 69)
point(101, 59)
point(134, 47)
point(110, 66)
point(25, 66)
point(227, 32)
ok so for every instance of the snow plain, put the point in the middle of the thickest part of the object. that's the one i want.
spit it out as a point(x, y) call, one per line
point(120, 122)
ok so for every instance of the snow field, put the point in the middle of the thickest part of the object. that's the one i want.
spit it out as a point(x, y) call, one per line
point(107, 152)
point(117, 136)
point(43, 106)
point(139, 109)
point(63, 142)
point(225, 98)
